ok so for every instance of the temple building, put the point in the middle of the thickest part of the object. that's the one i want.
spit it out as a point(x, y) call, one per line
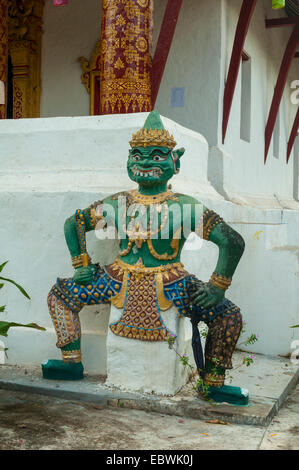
point(77, 78)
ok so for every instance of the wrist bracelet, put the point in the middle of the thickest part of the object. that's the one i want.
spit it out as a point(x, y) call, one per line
point(220, 281)
point(81, 260)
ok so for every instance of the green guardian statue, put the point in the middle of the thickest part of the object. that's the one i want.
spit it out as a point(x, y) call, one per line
point(147, 278)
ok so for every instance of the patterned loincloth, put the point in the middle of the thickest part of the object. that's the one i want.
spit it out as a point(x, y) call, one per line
point(142, 293)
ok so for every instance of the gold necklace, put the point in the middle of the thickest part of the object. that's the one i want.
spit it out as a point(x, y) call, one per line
point(151, 199)
point(138, 236)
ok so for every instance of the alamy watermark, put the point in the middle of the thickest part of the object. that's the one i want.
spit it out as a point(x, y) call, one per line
point(154, 221)
point(295, 93)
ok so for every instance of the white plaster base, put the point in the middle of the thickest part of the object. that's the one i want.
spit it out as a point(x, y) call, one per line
point(145, 366)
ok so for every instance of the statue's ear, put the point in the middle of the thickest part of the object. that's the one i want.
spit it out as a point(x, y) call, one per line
point(177, 154)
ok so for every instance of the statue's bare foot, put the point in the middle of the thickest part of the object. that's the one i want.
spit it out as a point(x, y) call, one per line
point(54, 369)
point(227, 393)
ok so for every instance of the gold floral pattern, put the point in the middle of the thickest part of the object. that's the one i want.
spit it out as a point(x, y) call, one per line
point(3, 51)
point(125, 63)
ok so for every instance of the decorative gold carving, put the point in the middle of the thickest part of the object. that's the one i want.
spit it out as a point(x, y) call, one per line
point(141, 318)
point(139, 271)
point(148, 200)
point(25, 36)
point(152, 137)
point(125, 82)
point(175, 244)
point(18, 103)
point(138, 234)
point(91, 72)
point(119, 300)
point(3, 55)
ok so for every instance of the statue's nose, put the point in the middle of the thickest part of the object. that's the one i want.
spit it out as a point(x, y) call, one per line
point(146, 163)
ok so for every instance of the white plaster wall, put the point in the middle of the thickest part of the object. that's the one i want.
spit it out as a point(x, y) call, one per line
point(239, 166)
point(69, 32)
point(193, 63)
point(199, 61)
point(51, 167)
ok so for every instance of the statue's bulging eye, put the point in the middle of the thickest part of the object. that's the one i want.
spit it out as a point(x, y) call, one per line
point(158, 158)
point(136, 158)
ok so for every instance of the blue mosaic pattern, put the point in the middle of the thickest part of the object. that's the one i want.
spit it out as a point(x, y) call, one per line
point(103, 288)
point(178, 294)
point(100, 290)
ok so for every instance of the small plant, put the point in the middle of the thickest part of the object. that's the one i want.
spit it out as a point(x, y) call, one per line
point(248, 360)
point(199, 385)
point(4, 325)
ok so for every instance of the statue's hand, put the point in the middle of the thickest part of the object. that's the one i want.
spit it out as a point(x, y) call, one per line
point(207, 296)
point(84, 275)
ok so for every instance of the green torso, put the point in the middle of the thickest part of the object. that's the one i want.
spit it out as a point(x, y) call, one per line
point(167, 225)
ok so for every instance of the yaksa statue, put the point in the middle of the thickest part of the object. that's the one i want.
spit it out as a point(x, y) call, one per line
point(147, 277)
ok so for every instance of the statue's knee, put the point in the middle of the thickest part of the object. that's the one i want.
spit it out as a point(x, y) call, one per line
point(239, 318)
point(51, 299)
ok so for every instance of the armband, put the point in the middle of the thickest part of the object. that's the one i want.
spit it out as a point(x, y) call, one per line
point(207, 222)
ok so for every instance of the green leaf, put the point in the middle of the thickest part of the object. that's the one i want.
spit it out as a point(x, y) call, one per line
point(2, 308)
point(4, 327)
point(295, 326)
point(17, 285)
point(2, 265)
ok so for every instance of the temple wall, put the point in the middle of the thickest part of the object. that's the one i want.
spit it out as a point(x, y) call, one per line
point(198, 62)
point(237, 168)
point(51, 167)
point(69, 32)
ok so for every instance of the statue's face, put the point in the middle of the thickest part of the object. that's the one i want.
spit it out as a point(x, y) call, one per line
point(150, 165)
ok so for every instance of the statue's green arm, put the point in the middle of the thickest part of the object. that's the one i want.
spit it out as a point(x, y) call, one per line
point(90, 219)
point(70, 232)
point(231, 247)
point(210, 226)
point(92, 214)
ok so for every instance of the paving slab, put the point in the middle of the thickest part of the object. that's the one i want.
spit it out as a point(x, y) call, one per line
point(37, 422)
point(269, 382)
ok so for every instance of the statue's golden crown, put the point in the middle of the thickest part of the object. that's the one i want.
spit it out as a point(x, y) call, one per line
point(152, 137)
